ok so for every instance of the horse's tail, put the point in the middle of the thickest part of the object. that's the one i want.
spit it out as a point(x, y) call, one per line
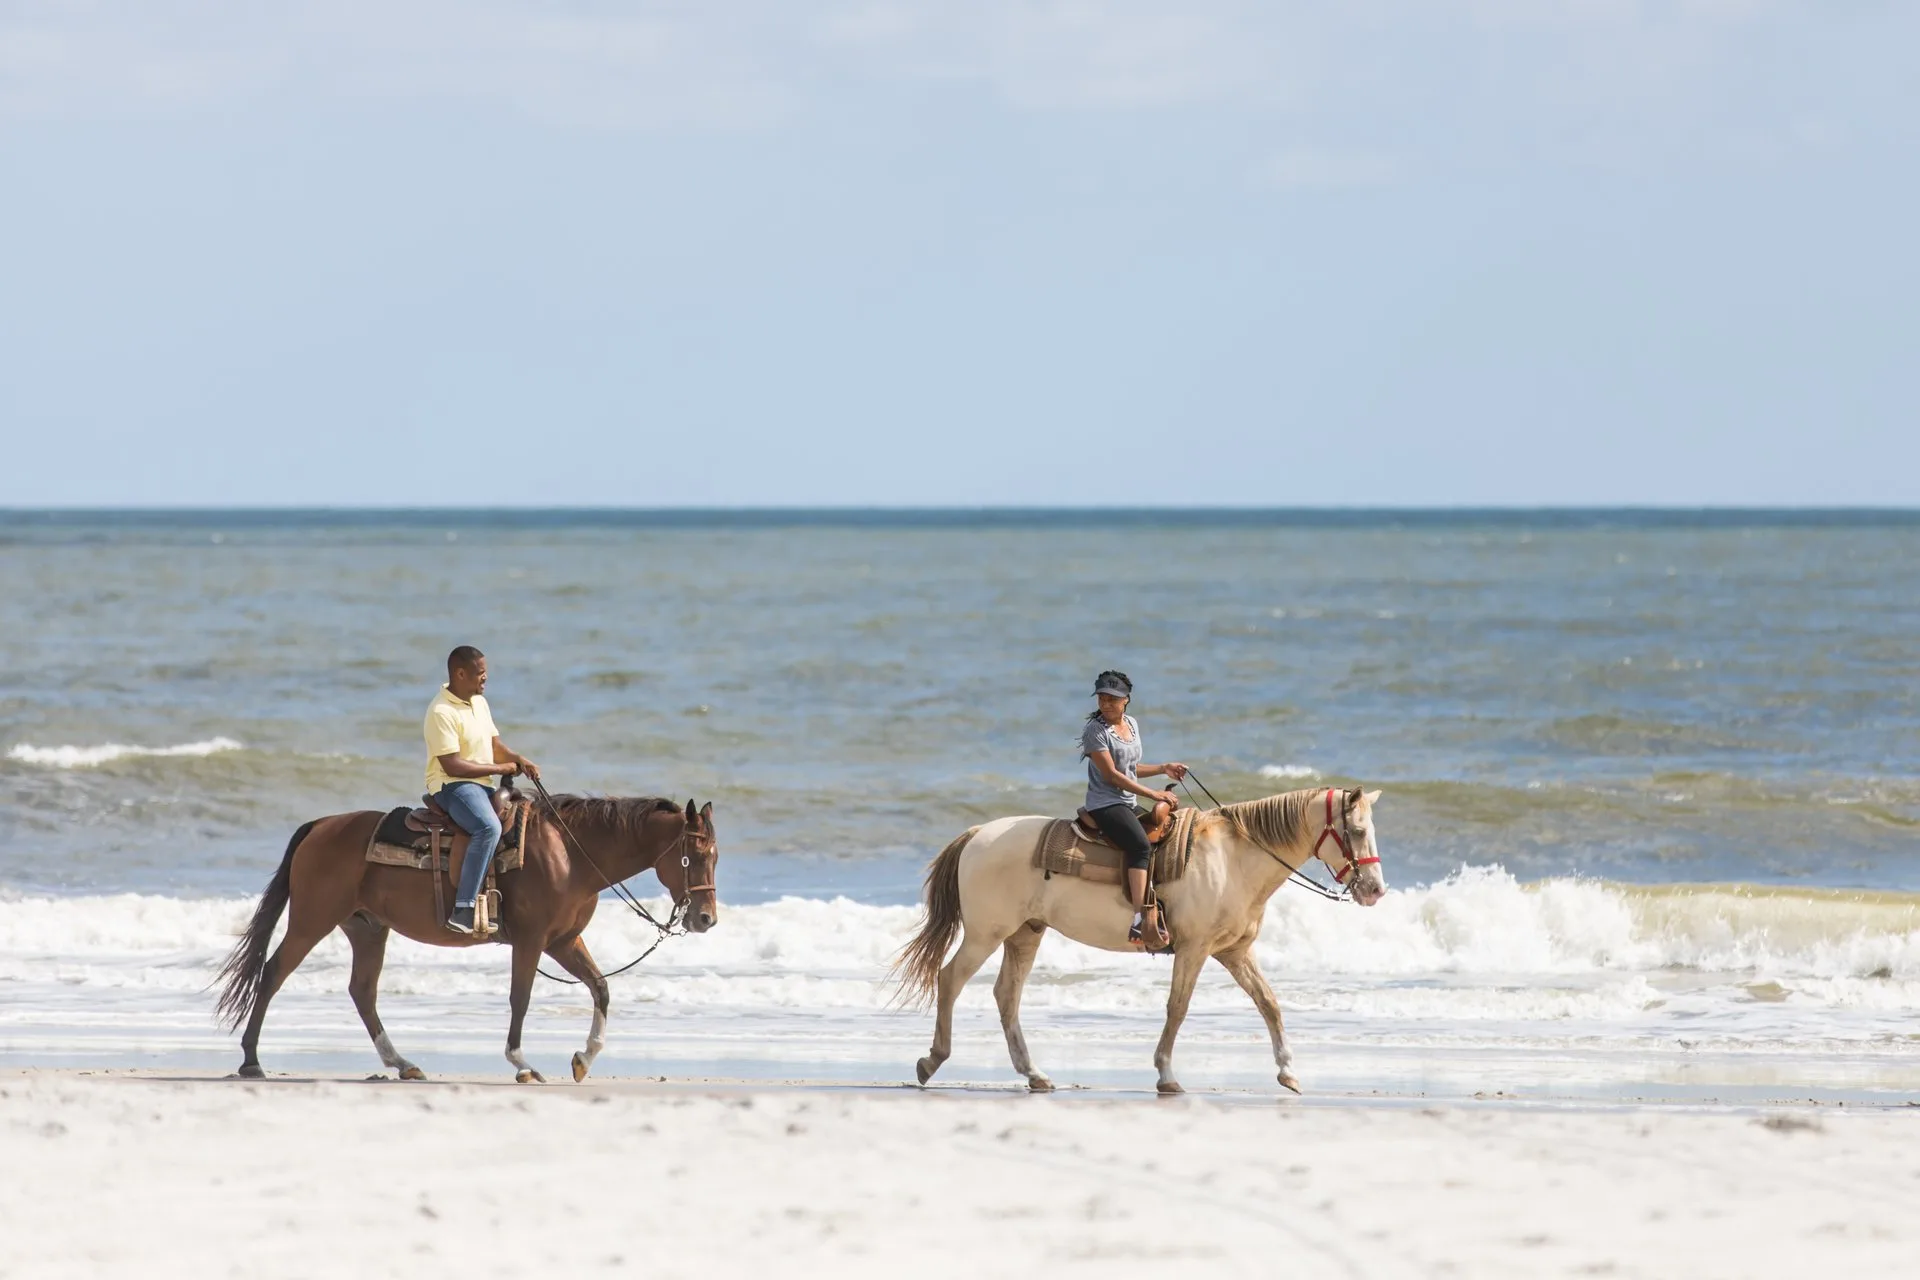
point(917, 967)
point(246, 964)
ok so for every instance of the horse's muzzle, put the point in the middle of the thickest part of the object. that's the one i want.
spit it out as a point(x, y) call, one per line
point(701, 919)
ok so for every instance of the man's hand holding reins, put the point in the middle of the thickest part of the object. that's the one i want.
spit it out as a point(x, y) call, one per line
point(519, 764)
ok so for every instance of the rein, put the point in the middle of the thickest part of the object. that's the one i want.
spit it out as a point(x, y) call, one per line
point(673, 925)
point(1343, 840)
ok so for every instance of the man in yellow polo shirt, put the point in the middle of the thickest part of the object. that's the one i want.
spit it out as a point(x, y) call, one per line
point(464, 757)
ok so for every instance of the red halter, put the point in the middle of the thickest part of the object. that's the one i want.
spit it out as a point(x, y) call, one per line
point(1342, 838)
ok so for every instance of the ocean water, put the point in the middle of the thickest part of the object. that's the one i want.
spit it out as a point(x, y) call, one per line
point(1650, 810)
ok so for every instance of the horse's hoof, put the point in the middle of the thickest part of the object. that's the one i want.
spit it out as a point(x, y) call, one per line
point(1168, 1088)
point(1039, 1084)
point(1287, 1081)
point(250, 1071)
point(579, 1067)
point(527, 1075)
point(925, 1069)
point(412, 1073)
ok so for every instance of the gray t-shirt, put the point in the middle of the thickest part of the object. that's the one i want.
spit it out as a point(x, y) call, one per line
point(1100, 736)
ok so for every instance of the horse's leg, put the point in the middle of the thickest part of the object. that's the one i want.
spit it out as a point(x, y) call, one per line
point(301, 938)
point(572, 955)
point(1246, 971)
point(369, 939)
point(1187, 962)
point(526, 959)
point(973, 952)
point(1016, 961)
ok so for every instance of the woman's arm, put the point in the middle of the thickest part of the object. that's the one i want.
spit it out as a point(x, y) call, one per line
point(1103, 761)
point(1173, 769)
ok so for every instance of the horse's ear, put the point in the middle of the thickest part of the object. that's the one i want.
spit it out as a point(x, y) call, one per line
point(1371, 797)
point(1353, 796)
point(692, 817)
point(706, 815)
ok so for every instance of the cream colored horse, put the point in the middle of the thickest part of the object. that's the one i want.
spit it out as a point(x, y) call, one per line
point(985, 887)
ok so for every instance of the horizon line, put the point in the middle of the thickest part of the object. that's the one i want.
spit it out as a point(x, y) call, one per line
point(952, 508)
point(23, 524)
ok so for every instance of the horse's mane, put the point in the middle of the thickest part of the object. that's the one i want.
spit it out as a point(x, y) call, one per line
point(621, 814)
point(1279, 822)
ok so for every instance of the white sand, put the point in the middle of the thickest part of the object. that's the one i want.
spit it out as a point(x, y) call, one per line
point(112, 1175)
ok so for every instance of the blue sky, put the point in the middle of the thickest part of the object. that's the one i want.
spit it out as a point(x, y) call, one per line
point(1429, 252)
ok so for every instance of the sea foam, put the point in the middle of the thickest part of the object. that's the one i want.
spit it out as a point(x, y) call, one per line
point(71, 757)
point(1286, 772)
point(1478, 924)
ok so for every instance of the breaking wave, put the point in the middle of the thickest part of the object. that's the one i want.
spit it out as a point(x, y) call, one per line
point(1288, 772)
point(70, 757)
point(1498, 947)
point(1480, 920)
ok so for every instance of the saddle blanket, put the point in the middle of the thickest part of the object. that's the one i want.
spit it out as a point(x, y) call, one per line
point(1066, 850)
point(395, 844)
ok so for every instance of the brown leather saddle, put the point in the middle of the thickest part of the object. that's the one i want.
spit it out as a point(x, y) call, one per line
point(430, 816)
point(1067, 847)
point(1071, 847)
point(1158, 824)
point(428, 839)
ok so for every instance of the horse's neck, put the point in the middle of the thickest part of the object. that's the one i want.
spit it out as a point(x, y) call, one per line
point(614, 855)
point(1261, 871)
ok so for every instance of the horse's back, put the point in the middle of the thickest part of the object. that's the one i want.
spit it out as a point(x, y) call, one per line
point(1001, 888)
point(336, 827)
point(1002, 845)
point(996, 866)
point(334, 841)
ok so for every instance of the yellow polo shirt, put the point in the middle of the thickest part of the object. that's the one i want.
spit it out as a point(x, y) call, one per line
point(459, 728)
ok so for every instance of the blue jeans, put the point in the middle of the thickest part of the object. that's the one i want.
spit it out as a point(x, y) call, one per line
point(470, 805)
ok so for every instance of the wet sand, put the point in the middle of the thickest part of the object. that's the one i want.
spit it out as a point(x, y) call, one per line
point(139, 1173)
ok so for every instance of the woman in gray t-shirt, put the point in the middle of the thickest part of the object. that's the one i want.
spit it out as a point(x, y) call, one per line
point(1110, 742)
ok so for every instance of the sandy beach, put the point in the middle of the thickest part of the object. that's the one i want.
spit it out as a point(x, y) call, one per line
point(124, 1174)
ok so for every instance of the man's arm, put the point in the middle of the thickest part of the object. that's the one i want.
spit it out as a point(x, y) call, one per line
point(459, 767)
point(506, 755)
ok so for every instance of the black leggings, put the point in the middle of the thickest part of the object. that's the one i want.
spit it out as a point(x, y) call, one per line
point(1120, 823)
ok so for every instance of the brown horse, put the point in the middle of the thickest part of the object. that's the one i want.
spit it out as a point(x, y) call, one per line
point(325, 883)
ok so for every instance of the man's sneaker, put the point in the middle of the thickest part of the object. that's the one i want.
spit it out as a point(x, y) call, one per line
point(461, 921)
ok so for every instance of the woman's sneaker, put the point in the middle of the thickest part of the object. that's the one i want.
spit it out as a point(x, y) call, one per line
point(1149, 933)
point(461, 921)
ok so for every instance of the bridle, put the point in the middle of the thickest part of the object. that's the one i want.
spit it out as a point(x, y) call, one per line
point(686, 870)
point(1342, 839)
point(675, 917)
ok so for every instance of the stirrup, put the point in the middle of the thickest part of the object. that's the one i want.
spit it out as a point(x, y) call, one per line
point(1137, 935)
